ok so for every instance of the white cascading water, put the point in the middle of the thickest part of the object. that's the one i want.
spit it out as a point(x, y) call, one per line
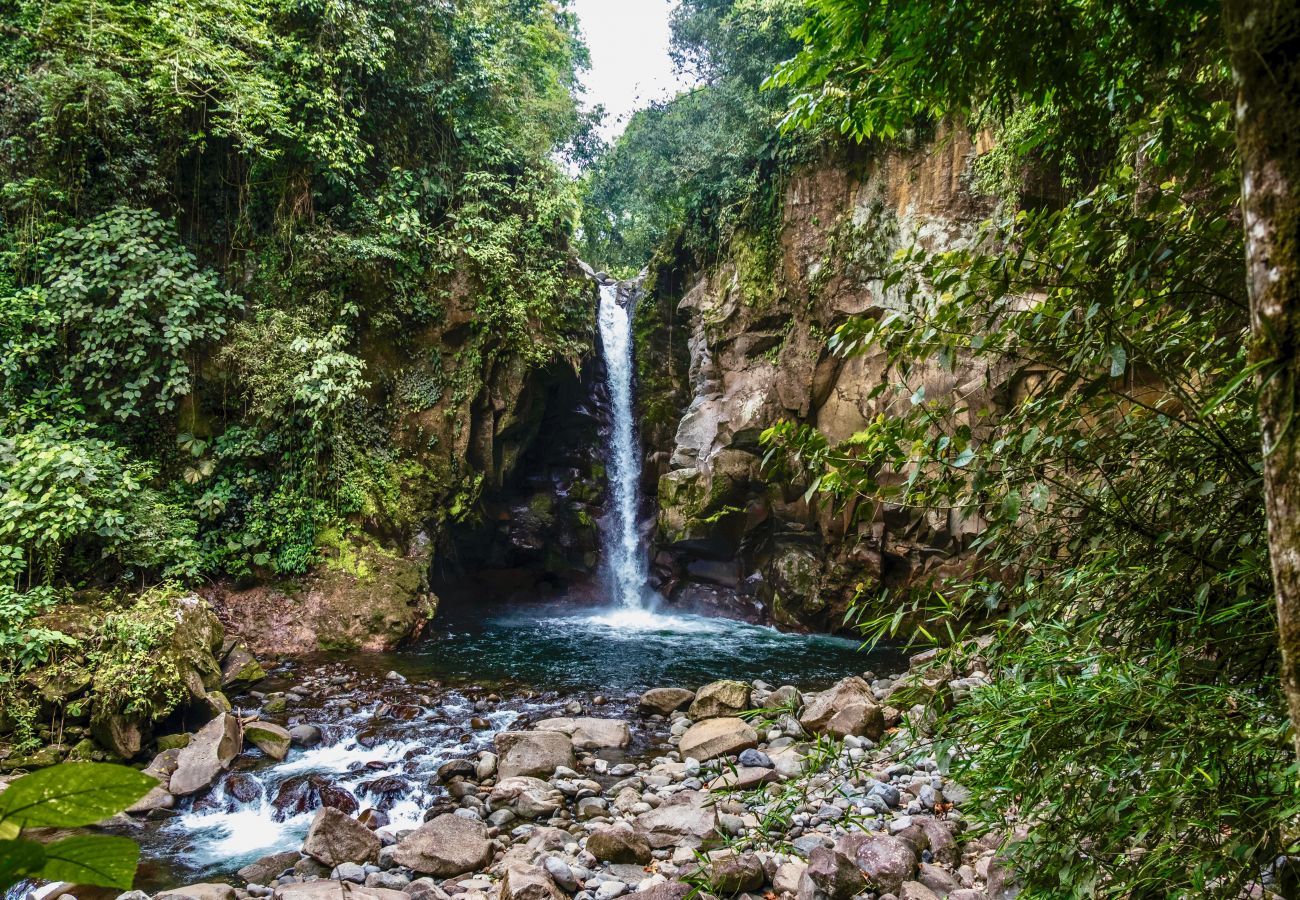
point(625, 561)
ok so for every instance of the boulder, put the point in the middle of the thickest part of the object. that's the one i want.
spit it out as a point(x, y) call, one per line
point(619, 845)
point(831, 874)
point(588, 733)
point(717, 737)
point(121, 734)
point(915, 890)
point(742, 778)
point(445, 846)
point(335, 838)
point(667, 890)
point(240, 671)
point(526, 797)
point(159, 797)
point(721, 698)
point(208, 890)
point(885, 861)
point(271, 739)
point(536, 753)
point(525, 882)
point(209, 753)
point(687, 819)
point(269, 868)
point(334, 890)
point(663, 701)
point(846, 708)
point(731, 875)
point(786, 880)
point(304, 735)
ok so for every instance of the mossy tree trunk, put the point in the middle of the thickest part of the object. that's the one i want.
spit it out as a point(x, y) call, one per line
point(1264, 36)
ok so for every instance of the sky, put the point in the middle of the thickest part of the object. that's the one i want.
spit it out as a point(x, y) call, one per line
point(630, 67)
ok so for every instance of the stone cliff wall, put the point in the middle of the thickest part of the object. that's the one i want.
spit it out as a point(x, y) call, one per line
point(730, 347)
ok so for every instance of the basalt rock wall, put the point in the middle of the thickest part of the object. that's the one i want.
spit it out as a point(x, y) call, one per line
point(731, 346)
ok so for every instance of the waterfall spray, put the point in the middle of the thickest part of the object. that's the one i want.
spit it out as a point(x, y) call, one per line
point(625, 561)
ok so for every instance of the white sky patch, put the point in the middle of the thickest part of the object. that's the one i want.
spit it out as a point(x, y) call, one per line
point(630, 67)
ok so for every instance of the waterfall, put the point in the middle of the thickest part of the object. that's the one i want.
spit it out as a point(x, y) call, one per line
point(625, 562)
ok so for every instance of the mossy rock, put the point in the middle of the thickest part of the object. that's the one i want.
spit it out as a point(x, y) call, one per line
point(49, 755)
point(174, 741)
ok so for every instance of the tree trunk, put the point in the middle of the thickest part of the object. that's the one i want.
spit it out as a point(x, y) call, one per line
point(1264, 36)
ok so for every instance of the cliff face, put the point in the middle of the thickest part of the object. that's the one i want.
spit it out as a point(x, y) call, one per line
point(732, 347)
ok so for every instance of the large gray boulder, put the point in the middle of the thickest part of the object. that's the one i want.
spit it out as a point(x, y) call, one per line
point(335, 837)
point(271, 739)
point(717, 737)
point(663, 701)
point(445, 846)
point(619, 845)
point(536, 753)
point(720, 698)
point(687, 819)
point(209, 753)
point(885, 861)
point(526, 797)
point(846, 708)
point(334, 890)
point(589, 733)
point(268, 868)
point(208, 890)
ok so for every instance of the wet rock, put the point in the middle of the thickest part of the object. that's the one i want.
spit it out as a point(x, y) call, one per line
point(208, 754)
point(886, 862)
point(717, 737)
point(619, 845)
point(687, 819)
point(536, 753)
point(271, 739)
point(456, 768)
point(335, 838)
point(304, 735)
point(847, 708)
point(733, 874)
point(386, 791)
point(373, 819)
point(445, 846)
point(525, 882)
point(589, 733)
point(242, 787)
point(662, 701)
point(720, 698)
point(269, 868)
point(240, 671)
point(526, 797)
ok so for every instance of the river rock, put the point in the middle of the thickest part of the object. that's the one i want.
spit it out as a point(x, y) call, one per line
point(536, 753)
point(731, 875)
point(742, 778)
point(830, 875)
point(240, 671)
point(720, 698)
point(662, 701)
point(208, 754)
point(336, 838)
point(619, 845)
point(159, 797)
point(885, 861)
point(526, 882)
point(271, 739)
point(304, 735)
point(269, 868)
point(846, 708)
point(208, 890)
point(717, 737)
point(668, 890)
point(589, 733)
point(445, 846)
point(785, 881)
point(687, 819)
point(526, 797)
point(333, 890)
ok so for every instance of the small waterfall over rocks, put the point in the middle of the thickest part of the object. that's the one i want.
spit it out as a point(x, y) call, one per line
point(625, 561)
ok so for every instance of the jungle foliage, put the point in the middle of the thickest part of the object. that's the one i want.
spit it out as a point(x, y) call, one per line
point(1134, 740)
point(210, 209)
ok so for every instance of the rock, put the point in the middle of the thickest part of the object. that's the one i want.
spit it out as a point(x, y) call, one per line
point(619, 845)
point(271, 739)
point(120, 734)
point(830, 875)
point(937, 879)
point(173, 741)
point(914, 890)
point(425, 889)
point(208, 754)
point(942, 843)
point(335, 838)
point(242, 787)
point(206, 891)
point(333, 890)
point(456, 768)
point(159, 797)
point(668, 890)
point(662, 701)
point(536, 753)
point(268, 868)
point(304, 735)
point(349, 872)
point(687, 819)
point(720, 698)
point(445, 846)
point(524, 882)
point(731, 875)
point(526, 797)
point(717, 737)
point(786, 879)
point(886, 862)
point(589, 733)
point(742, 778)
point(1002, 883)
point(755, 758)
point(240, 671)
point(847, 708)
point(393, 881)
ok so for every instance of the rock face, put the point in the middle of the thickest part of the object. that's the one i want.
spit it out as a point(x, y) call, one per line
point(721, 698)
point(717, 737)
point(209, 753)
point(663, 701)
point(588, 733)
point(847, 708)
point(336, 838)
point(731, 346)
point(536, 753)
point(445, 846)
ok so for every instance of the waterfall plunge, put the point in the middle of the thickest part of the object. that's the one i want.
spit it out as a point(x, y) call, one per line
point(624, 559)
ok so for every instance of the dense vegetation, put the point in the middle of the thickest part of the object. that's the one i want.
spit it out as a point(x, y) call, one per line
point(213, 214)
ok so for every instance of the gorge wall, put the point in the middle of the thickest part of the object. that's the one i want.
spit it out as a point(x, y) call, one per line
point(732, 345)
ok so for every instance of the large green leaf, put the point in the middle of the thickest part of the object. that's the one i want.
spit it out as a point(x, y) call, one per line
point(70, 795)
point(18, 860)
point(95, 859)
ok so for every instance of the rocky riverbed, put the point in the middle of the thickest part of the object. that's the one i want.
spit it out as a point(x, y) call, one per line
point(732, 789)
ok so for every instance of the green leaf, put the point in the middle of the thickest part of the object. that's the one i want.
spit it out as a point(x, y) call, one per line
point(19, 859)
point(70, 795)
point(97, 859)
